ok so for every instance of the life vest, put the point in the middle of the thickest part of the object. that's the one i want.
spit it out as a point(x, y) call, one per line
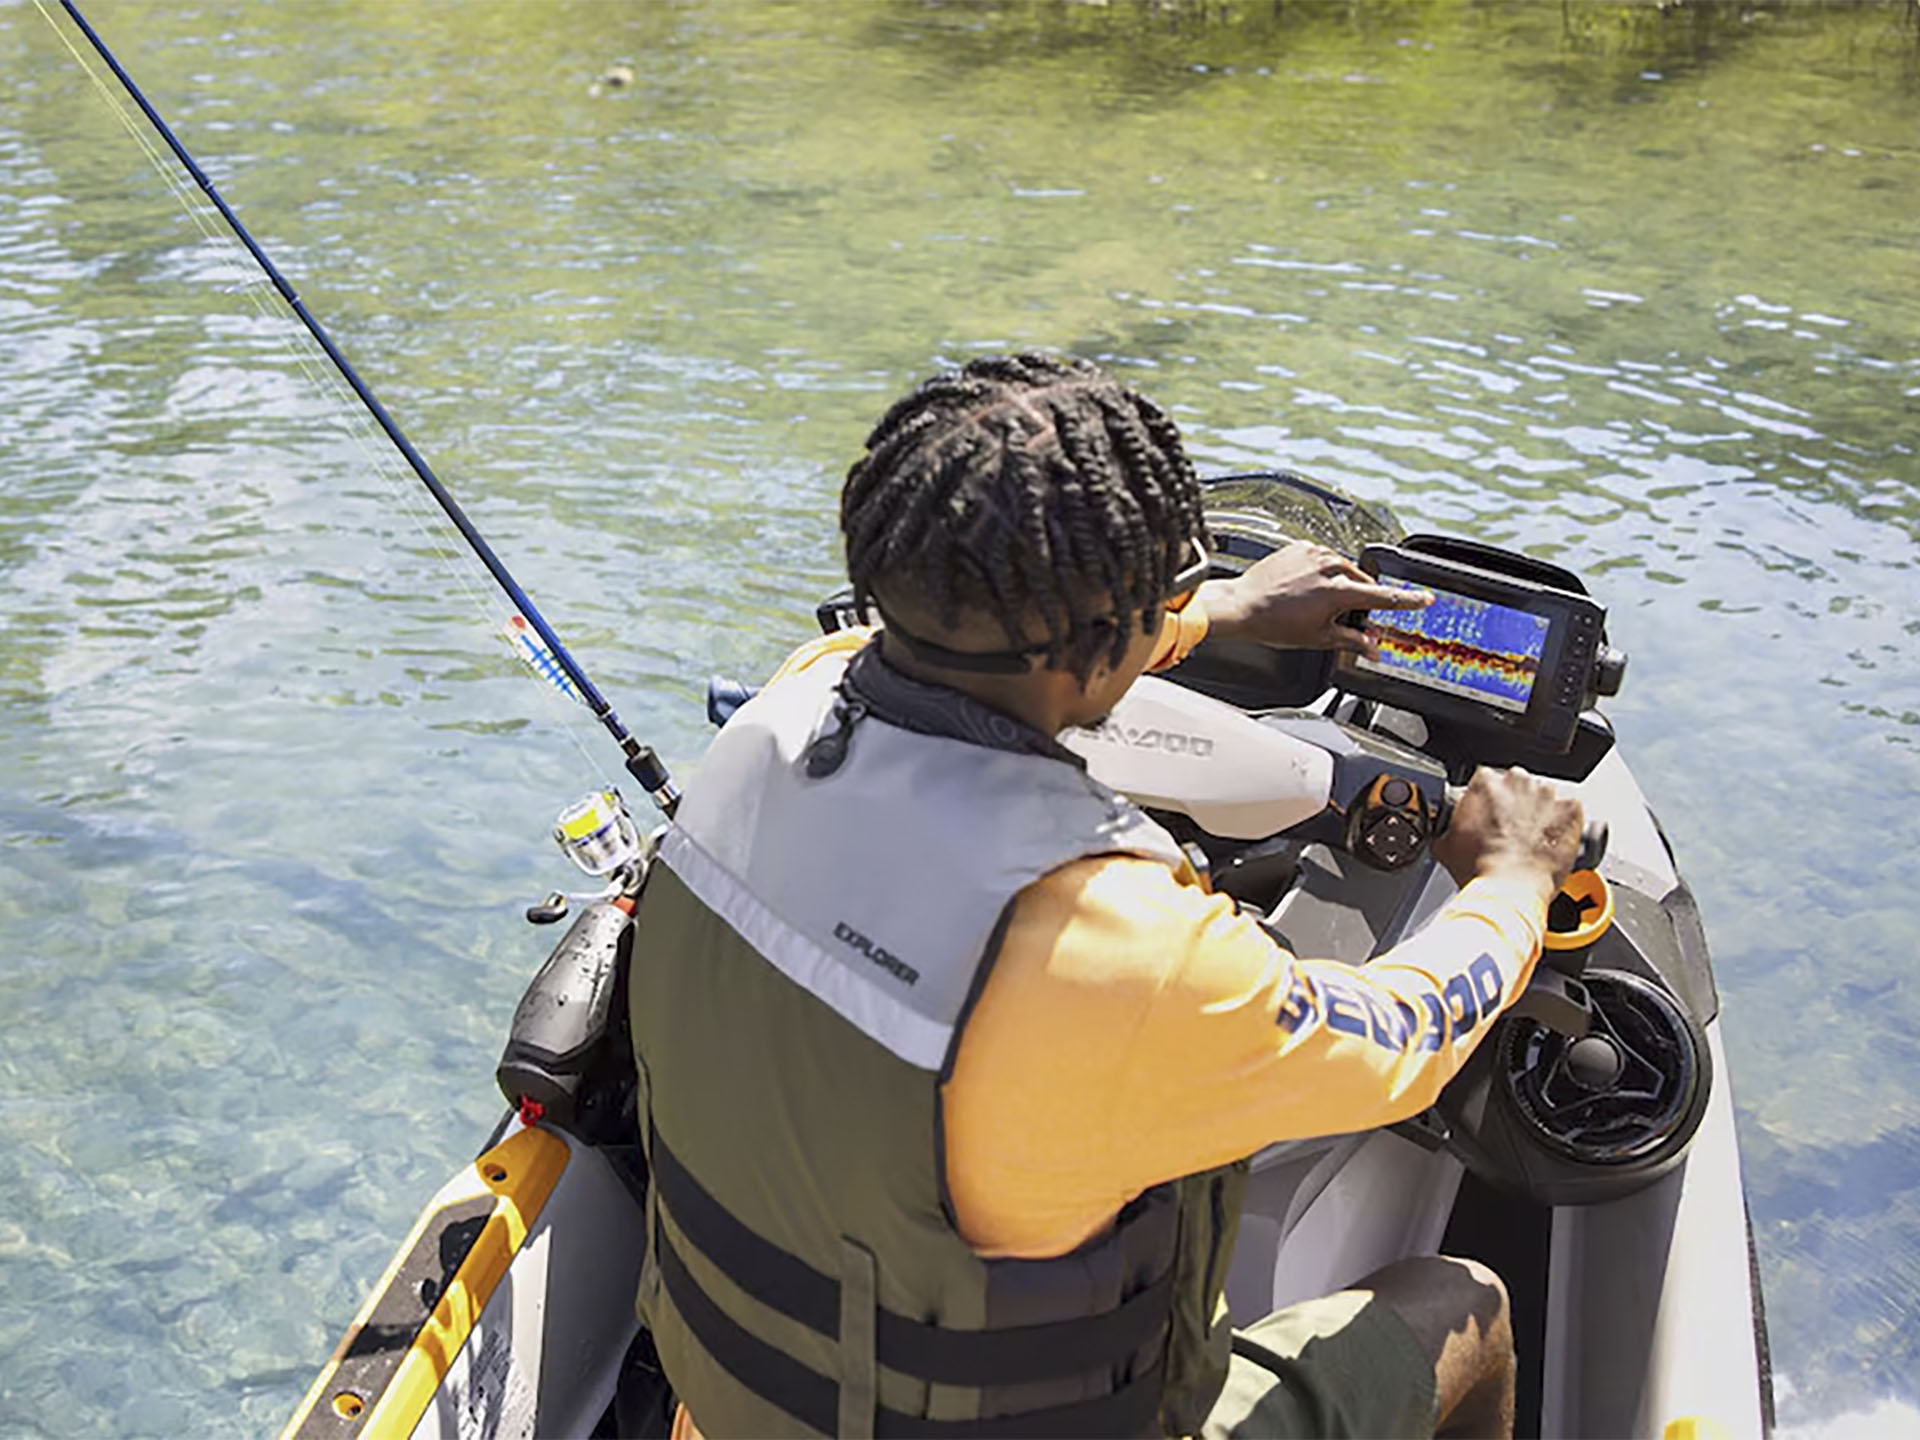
point(821, 913)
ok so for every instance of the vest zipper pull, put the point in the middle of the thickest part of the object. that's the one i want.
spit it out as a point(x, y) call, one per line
point(829, 752)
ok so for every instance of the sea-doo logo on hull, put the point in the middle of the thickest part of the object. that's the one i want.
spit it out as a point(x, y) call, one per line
point(1152, 737)
point(878, 954)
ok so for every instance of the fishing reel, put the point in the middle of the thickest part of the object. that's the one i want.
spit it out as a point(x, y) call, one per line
point(598, 834)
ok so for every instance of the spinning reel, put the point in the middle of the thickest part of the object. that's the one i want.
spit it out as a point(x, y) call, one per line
point(598, 834)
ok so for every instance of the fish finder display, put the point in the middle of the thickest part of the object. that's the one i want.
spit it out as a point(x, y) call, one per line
point(1485, 652)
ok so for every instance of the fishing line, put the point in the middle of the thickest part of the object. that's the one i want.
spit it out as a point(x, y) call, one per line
point(542, 649)
point(349, 417)
point(348, 414)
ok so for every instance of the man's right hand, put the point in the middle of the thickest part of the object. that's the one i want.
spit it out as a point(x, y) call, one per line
point(1511, 823)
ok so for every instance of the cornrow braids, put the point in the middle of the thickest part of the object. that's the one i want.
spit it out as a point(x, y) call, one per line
point(1021, 486)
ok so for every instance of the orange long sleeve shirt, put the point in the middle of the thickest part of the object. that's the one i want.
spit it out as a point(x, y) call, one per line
point(1136, 1029)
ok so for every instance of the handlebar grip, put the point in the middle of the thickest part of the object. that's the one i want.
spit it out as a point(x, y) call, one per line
point(1593, 839)
point(1593, 845)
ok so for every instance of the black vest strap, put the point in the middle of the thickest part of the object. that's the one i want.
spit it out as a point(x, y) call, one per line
point(977, 1358)
point(813, 1399)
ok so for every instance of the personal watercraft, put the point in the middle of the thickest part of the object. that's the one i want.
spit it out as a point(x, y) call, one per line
point(1586, 1151)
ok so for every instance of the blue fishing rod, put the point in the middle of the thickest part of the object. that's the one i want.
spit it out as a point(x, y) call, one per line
point(640, 760)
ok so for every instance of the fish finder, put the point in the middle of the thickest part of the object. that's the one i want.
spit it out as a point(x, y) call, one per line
point(1495, 652)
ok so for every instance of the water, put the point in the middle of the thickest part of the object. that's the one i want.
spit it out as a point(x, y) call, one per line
point(1627, 288)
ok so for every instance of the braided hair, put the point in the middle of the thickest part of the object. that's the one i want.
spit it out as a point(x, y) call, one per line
point(1024, 485)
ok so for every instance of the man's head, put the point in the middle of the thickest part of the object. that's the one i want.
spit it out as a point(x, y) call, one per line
point(1026, 511)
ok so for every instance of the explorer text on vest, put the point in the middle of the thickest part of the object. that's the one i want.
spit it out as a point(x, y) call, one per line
point(880, 956)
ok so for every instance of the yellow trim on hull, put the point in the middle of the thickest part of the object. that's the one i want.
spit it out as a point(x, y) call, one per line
point(519, 1174)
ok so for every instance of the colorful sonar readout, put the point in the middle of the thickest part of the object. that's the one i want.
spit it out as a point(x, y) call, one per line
point(1485, 652)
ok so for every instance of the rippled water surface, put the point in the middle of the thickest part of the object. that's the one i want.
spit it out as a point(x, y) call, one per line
point(1634, 288)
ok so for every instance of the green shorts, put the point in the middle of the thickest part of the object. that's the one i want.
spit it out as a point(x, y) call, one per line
point(1342, 1365)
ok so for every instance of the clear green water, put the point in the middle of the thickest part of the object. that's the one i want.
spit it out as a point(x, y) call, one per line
point(1633, 289)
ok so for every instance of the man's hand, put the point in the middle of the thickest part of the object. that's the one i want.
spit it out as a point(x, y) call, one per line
point(1512, 823)
point(1295, 598)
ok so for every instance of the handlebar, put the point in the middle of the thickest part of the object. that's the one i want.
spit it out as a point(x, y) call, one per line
point(1593, 846)
point(1593, 839)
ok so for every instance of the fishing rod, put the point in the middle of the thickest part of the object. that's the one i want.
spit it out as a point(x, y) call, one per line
point(640, 760)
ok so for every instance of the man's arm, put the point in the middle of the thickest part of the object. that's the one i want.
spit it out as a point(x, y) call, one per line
point(1279, 1046)
point(1135, 1029)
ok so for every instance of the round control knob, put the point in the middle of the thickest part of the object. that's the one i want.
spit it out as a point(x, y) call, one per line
point(1396, 792)
point(1609, 671)
point(1594, 1062)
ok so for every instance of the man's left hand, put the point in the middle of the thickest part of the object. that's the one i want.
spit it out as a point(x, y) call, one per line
point(1296, 597)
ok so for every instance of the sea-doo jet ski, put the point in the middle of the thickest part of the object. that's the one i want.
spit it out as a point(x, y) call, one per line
point(1586, 1151)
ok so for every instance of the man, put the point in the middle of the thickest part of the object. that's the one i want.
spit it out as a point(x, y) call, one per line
point(949, 1066)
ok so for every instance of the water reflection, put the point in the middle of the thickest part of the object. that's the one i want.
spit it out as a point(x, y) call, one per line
point(1627, 287)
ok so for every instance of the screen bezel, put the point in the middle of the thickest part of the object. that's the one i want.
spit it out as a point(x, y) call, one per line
point(1546, 718)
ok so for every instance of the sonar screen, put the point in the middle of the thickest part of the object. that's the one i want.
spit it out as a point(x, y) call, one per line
point(1460, 646)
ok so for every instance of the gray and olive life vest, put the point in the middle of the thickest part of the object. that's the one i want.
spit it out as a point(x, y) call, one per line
point(818, 920)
